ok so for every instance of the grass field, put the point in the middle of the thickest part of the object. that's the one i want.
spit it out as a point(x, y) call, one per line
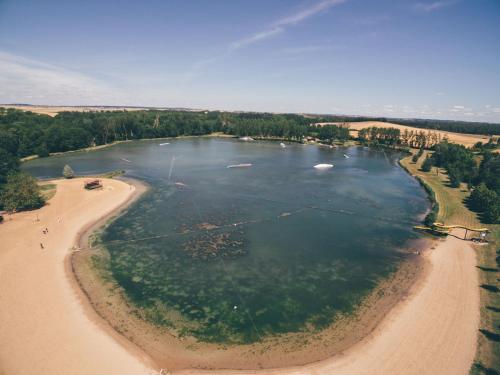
point(452, 210)
point(48, 190)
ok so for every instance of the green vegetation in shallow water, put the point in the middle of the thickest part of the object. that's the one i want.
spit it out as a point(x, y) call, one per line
point(235, 255)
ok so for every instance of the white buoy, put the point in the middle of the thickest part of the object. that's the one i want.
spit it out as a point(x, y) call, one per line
point(323, 166)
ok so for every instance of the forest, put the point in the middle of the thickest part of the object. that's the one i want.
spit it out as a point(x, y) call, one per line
point(480, 172)
point(24, 134)
point(393, 137)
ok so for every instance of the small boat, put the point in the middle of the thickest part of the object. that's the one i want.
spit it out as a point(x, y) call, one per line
point(180, 184)
point(244, 165)
point(246, 138)
point(163, 144)
point(282, 145)
point(323, 166)
point(346, 156)
point(128, 161)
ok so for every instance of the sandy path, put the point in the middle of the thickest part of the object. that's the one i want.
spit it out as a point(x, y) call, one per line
point(43, 327)
point(433, 332)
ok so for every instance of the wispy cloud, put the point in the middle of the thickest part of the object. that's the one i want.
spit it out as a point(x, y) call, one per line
point(23, 79)
point(434, 5)
point(308, 12)
point(257, 37)
point(277, 27)
point(282, 24)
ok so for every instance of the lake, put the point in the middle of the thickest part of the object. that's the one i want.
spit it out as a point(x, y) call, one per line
point(231, 255)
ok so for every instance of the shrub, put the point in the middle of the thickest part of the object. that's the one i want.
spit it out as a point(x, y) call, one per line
point(427, 165)
point(68, 172)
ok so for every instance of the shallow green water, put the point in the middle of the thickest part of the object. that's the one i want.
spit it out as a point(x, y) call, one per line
point(237, 254)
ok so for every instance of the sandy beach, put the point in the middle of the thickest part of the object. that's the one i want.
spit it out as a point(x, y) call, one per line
point(45, 329)
point(47, 326)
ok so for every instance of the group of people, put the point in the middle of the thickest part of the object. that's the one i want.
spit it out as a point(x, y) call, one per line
point(45, 231)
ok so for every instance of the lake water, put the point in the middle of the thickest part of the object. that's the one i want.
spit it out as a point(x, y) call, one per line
point(235, 254)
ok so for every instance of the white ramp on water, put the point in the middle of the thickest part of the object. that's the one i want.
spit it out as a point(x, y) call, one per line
point(244, 165)
point(323, 166)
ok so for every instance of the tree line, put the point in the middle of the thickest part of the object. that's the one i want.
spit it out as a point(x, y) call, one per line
point(486, 128)
point(24, 133)
point(394, 137)
point(480, 172)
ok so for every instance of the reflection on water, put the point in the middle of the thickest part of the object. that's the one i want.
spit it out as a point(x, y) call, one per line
point(231, 255)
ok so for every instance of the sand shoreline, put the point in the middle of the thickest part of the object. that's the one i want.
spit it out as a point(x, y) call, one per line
point(47, 330)
point(385, 340)
point(279, 351)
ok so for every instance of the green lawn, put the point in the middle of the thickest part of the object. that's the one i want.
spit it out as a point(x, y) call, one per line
point(48, 190)
point(452, 210)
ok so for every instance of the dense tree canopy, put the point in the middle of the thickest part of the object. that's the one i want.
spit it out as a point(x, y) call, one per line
point(21, 192)
point(24, 133)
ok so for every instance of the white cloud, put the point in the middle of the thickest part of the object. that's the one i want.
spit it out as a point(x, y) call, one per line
point(308, 12)
point(282, 24)
point(435, 5)
point(24, 79)
point(278, 27)
point(257, 37)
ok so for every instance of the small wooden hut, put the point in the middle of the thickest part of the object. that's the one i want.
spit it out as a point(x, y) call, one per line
point(92, 184)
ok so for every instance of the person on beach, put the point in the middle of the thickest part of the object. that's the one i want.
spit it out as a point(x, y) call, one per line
point(46, 230)
point(41, 246)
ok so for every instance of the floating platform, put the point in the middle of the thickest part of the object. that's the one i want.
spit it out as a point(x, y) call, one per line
point(244, 165)
point(323, 166)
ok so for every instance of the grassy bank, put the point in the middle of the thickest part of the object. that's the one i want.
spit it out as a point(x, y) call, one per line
point(452, 210)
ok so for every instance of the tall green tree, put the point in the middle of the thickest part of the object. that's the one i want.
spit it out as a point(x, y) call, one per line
point(21, 192)
point(8, 163)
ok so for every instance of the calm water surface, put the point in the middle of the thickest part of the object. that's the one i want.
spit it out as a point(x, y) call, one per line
point(231, 255)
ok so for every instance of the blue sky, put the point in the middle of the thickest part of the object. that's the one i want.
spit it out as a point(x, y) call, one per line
point(406, 58)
